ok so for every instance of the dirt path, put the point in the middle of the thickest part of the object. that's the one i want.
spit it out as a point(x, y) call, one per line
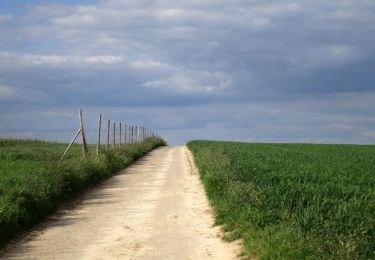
point(155, 209)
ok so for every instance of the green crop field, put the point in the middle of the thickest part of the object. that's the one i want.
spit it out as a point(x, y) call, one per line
point(33, 179)
point(292, 201)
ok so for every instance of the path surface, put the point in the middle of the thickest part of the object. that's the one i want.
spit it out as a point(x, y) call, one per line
point(155, 209)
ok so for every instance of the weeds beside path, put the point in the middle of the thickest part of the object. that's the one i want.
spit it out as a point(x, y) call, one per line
point(34, 181)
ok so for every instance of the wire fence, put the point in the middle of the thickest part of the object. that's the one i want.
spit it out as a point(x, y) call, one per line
point(116, 135)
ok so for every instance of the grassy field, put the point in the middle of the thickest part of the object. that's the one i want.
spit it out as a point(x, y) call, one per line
point(34, 181)
point(292, 201)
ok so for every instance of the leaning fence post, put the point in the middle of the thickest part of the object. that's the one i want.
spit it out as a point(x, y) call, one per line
point(108, 130)
point(99, 132)
point(74, 138)
point(84, 145)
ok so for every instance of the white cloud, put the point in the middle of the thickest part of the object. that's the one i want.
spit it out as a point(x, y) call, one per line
point(58, 59)
point(369, 133)
point(106, 59)
point(190, 81)
point(278, 8)
point(7, 92)
point(313, 57)
point(5, 18)
point(171, 13)
point(155, 83)
point(74, 20)
point(149, 64)
point(345, 53)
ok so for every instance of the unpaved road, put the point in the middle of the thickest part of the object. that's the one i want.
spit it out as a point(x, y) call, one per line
point(154, 209)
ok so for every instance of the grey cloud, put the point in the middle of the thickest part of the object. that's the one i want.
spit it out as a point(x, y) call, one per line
point(227, 67)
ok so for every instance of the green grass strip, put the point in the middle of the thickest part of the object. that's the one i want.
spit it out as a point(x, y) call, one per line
point(292, 201)
point(34, 181)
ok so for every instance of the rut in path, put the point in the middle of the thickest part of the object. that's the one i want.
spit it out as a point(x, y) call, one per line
point(154, 209)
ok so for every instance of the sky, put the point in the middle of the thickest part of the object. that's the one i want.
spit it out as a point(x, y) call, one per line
point(241, 70)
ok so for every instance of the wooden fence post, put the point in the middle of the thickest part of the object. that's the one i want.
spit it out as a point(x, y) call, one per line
point(114, 134)
point(84, 145)
point(120, 134)
point(132, 134)
point(135, 134)
point(108, 131)
point(125, 133)
point(99, 132)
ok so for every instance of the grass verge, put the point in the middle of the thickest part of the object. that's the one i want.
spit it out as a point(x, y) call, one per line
point(292, 201)
point(34, 181)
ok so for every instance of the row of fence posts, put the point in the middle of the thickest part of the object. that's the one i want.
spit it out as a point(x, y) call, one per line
point(128, 134)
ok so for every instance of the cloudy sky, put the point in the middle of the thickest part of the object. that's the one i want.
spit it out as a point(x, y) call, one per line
point(264, 71)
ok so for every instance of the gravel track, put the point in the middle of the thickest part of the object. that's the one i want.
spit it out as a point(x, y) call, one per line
point(154, 209)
